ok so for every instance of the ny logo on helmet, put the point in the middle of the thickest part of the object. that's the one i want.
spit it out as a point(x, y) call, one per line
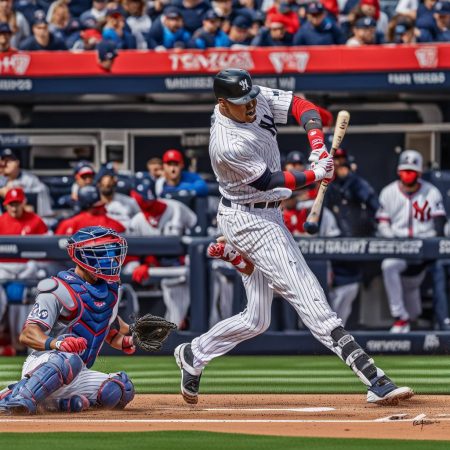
point(244, 85)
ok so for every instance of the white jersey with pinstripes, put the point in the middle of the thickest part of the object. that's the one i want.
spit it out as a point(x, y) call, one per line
point(241, 152)
point(410, 215)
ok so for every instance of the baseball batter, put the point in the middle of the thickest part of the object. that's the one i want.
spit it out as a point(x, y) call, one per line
point(74, 313)
point(246, 161)
point(409, 208)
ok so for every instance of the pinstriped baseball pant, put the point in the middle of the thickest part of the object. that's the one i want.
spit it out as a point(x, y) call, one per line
point(261, 236)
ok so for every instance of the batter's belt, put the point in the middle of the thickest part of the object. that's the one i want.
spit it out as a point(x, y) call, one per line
point(259, 205)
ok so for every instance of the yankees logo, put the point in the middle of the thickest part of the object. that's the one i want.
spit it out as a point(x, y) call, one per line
point(269, 126)
point(423, 213)
point(244, 85)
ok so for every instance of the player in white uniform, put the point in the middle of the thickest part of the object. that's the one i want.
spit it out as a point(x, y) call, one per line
point(409, 208)
point(246, 161)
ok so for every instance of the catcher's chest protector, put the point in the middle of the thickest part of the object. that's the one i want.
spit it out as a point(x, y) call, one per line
point(94, 310)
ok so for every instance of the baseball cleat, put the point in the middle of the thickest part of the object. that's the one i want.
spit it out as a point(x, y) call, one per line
point(385, 393)
point(190, 377)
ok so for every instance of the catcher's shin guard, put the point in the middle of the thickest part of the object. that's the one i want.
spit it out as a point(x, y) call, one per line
point(116, 392)
point(59, 370)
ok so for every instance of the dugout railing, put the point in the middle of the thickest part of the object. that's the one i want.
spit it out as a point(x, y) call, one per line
point(52, 248)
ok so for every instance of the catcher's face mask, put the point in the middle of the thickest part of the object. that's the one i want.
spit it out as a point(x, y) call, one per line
point(99, 251)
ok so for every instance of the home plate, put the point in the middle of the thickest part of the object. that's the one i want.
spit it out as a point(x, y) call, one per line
point(309, 409)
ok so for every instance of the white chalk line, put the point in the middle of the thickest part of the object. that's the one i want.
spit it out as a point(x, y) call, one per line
point(197, 421)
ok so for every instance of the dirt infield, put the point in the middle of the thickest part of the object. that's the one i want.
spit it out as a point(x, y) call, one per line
point(423, 417)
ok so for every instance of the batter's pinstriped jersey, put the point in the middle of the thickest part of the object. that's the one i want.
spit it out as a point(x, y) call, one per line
point(410, 215)
point(241, 152)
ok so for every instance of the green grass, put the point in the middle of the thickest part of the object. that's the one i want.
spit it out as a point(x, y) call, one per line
point(172, 440)
point(267, 374)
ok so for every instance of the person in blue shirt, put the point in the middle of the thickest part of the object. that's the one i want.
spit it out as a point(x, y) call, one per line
point(240, 31)
point(175, 179)
point(42, 38)
point(169, 32)
point(115, 30)
point(442, 17)
point(425, 16)
point(193, 12)
point(274, 35)
point(210, 34)
point(319, 28)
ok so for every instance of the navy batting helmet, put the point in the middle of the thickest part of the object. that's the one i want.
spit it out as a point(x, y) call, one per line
point(98, 250)
point(235, 85)
point(88, 196)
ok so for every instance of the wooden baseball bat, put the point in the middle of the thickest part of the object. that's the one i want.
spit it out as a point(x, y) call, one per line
point(311, 225)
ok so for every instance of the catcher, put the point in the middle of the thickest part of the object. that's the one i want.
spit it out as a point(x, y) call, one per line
point(73, 315)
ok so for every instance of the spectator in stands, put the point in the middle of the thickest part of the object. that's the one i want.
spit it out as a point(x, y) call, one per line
point(442, 18)
point(403, 31)
point(97, 12)
point(409, 208)
point(319, 29)
point(193, 12)
point(425, 17)
point(106, 54)
point(176, 180)
point(163, 218)
point(60, 23)
point(120, 207)
point(138, 21)
point(295, 160)
point(170, 32)
point(258, 21)
point(17, 221)
point(15, 176)
point(210, 34)
point(407, 8)
point(240, 31)
point(5, 38)
point(155, 8)
point(371, 8)
point(115, 30)
point(224, 9)
point(20, 29)
point(92, 213)
point(42, 38)
point(364, 32)
point(284, 12)
point(273, 36)
point(155, 168)
point(88, 40)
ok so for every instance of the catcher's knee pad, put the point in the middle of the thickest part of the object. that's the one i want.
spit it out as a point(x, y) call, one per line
point(60, 369)
point(76, 403)
point(116, 392)
point(354, 356)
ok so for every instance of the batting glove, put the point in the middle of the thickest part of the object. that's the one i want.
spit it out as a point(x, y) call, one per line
point(128, 346)
point(140, 274)
point(316, 154)
point(71, 344)
point(323, 169)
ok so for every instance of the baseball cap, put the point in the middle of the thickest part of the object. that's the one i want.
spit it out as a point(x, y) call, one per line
point(410, 160)
point(39, 21)
point(8, 153)
point(211, 15)
point(107, 50)
point(315, 8)
point(172, 155)
point(242, 22)
point(295, 157)
point(83, 168)
point(116, 12)
point(365, 22)
point(403, 26)
point(91, 33)
point(442, 8)
point(14, 195)
point(172, 12)
point(340, 153)
point(5, 28)
point(106, 170)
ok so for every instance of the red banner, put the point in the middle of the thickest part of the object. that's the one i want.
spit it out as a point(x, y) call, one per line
point(273, 60)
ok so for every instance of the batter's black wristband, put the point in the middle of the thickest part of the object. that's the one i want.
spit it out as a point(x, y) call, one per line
point(47, 343)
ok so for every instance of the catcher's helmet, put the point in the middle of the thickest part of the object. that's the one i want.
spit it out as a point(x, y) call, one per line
point(98, 250)
point(235, 85)
point(88, 196)
point(410, 160)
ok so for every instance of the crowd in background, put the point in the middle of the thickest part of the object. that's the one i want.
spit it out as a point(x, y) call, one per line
point(160, 201)
point(111, 25)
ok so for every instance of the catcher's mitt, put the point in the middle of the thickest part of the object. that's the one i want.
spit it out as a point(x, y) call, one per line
point(149, 332)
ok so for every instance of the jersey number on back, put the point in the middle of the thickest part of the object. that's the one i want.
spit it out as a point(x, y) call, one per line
point(268, 124)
